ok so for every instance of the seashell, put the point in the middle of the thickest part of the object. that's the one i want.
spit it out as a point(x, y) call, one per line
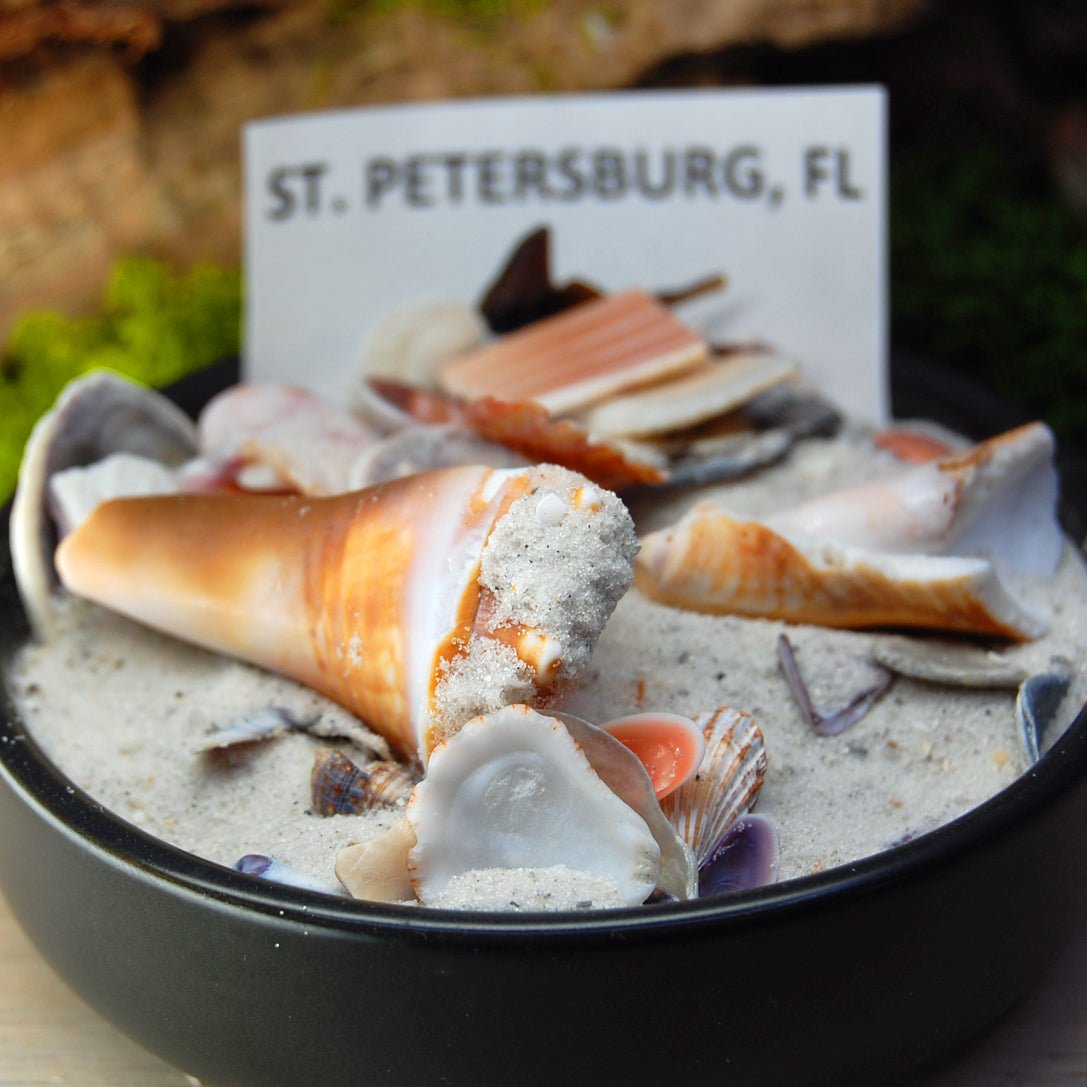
point(728, 458)
point(377, 869)
point(423, 448)
point(514, 790)
point(74, 493)
point(748, 856)
point(1037, 705)
point(706, 391)
point(96, 415)
point(837, 721)
point(997, 499)
point(264, 724)
point(416, 604)
point(713, 562)
point(522, 292)
point(340, 787)
point(668, 745)
point(300, 437)
point(527, 428)
point(575, 358)
point(265, 867)
point(412, 341)
point(947, 662)
point(624, 773)
point(726, 785)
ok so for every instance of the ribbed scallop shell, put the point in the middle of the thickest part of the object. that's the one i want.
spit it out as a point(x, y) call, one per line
point(727, 782)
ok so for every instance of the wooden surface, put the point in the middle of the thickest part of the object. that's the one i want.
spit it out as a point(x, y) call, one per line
point(48, 1036)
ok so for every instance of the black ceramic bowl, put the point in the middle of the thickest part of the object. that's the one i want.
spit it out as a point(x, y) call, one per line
point(852, 975)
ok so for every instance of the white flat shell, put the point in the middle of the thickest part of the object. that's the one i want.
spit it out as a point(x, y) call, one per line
point(514, 790)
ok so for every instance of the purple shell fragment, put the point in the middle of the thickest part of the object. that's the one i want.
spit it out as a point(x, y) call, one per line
point(837, 721)
point(746, 857)
point(264, 867)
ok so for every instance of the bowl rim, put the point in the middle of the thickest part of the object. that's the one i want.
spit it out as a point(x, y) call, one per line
point(26, 768)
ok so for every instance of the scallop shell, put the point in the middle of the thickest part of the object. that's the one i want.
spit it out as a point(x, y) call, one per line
point(416, 604)
point(339, 786)
point(713, 562)
point(514, 790)
point(580, 356)
point(94, 416)
point(726, 785)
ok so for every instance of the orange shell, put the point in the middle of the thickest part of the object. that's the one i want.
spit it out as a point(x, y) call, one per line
point(527, 428)
point(713, 562)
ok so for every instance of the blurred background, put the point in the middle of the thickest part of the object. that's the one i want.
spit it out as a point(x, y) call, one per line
point(120, 211)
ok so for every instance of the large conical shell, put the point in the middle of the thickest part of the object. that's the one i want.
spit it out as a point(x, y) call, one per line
point(415, 604)
point(997, 500)
point(713, 562)
point(514, 790)
point(726, 785)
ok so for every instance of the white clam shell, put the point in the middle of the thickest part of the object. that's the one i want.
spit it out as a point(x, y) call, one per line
point(514, 790)
point(414, 340)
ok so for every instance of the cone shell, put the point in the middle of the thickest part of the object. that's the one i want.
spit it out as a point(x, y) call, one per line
point(727, 782)
point(713, 562)
point(415, 604)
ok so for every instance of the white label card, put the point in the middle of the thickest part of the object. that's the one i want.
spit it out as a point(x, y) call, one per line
point(351, 214)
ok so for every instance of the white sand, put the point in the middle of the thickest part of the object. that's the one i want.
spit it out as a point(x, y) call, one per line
point(123, 712)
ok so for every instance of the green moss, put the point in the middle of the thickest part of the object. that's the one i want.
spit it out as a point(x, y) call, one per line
point(989, 276)
point(156, 326)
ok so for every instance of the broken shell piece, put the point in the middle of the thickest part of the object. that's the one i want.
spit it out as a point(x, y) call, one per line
point(74, 493)
point(408, 603)
point(424, 448)
point(997, 499)
point(265, 867)
point(377, 869)
point(727, 783)
point(748, 856)
point(96, 415)
point(299, 436)
point(522, 292)
point(712, 562)
point(668, 745)
point(834, 722)
point(528, 429)
point(580, 356)
point(514, 790)
point(264, 724)
point(416, 338)
point(1036, 707)
point(947, 662)
point(339, 786)
point(711, 389)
